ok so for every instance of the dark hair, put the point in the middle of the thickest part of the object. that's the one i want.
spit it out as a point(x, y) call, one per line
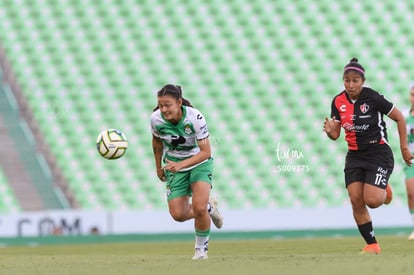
point(355, 66)
point(175, 91)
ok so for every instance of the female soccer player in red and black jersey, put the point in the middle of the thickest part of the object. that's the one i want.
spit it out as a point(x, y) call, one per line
point(369, 161)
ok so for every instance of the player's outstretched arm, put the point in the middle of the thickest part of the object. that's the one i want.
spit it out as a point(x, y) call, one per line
point(332, 128)
point(157, 148)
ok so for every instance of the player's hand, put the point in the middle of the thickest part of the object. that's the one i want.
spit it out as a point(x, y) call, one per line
point(407, 155)
point(172, 166)
point(329, 125)
point(161, 174)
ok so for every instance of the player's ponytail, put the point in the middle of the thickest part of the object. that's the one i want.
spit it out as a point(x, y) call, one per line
point(174, 91)
point(186, 102)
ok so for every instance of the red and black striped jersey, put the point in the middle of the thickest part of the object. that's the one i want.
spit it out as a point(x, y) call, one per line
point(362, 119)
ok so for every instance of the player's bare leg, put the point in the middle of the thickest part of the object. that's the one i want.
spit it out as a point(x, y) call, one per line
point(409, 184)
point(373, 196)
point(180, 209)
point(201, 194)
point(356, 191)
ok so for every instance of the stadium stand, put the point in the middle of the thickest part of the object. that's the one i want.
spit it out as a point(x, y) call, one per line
point(8, 201)
point(263, 73)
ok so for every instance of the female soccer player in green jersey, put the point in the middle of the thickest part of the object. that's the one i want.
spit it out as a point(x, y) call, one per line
point(409, 171)
point(183, 159)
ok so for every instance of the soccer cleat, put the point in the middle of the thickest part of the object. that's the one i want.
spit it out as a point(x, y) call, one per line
point(373, 248)
point(200, 254)
point(388, 191)
point(411, 237)
point(215, 214)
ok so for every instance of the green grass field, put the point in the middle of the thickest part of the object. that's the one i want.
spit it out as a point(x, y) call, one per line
point(288, 256)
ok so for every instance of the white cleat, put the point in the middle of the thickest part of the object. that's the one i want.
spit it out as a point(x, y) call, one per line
point(215, 214)
point(200, 254)
point(411, 237)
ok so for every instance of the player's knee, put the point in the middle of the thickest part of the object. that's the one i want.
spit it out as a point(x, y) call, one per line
point(178, 216)
point(373, 202)
point(357, 202)
point(199, 211)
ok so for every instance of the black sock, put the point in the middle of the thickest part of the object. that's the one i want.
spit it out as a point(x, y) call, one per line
point(367, 232)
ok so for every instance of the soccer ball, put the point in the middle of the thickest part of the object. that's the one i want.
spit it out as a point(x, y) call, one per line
point(111, 144)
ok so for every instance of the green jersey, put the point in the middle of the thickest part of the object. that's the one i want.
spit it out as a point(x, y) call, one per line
point(180, 140)
point(409, 119)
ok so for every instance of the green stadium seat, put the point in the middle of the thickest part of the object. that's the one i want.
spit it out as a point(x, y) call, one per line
point(8, 203)
point(262, 72)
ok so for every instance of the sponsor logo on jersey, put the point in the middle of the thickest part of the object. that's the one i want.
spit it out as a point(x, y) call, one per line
point(176, 140)
point(187, 129)
point(356, 128)
point(364, 108)
point(342, 108)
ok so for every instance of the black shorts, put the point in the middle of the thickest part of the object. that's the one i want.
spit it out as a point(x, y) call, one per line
point(373, 166)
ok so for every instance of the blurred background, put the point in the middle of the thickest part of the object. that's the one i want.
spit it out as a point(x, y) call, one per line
point(262, 72)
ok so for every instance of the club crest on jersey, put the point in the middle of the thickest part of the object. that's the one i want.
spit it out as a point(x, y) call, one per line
point(187, 129)
point(364, 108)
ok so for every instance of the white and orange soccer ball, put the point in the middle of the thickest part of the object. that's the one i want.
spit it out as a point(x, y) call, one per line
point(112, 143)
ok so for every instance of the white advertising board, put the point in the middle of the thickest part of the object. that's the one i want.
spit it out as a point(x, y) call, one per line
point(79, 222)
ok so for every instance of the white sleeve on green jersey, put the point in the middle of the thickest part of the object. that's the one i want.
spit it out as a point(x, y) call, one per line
point(200, 124)
point(154, 117)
